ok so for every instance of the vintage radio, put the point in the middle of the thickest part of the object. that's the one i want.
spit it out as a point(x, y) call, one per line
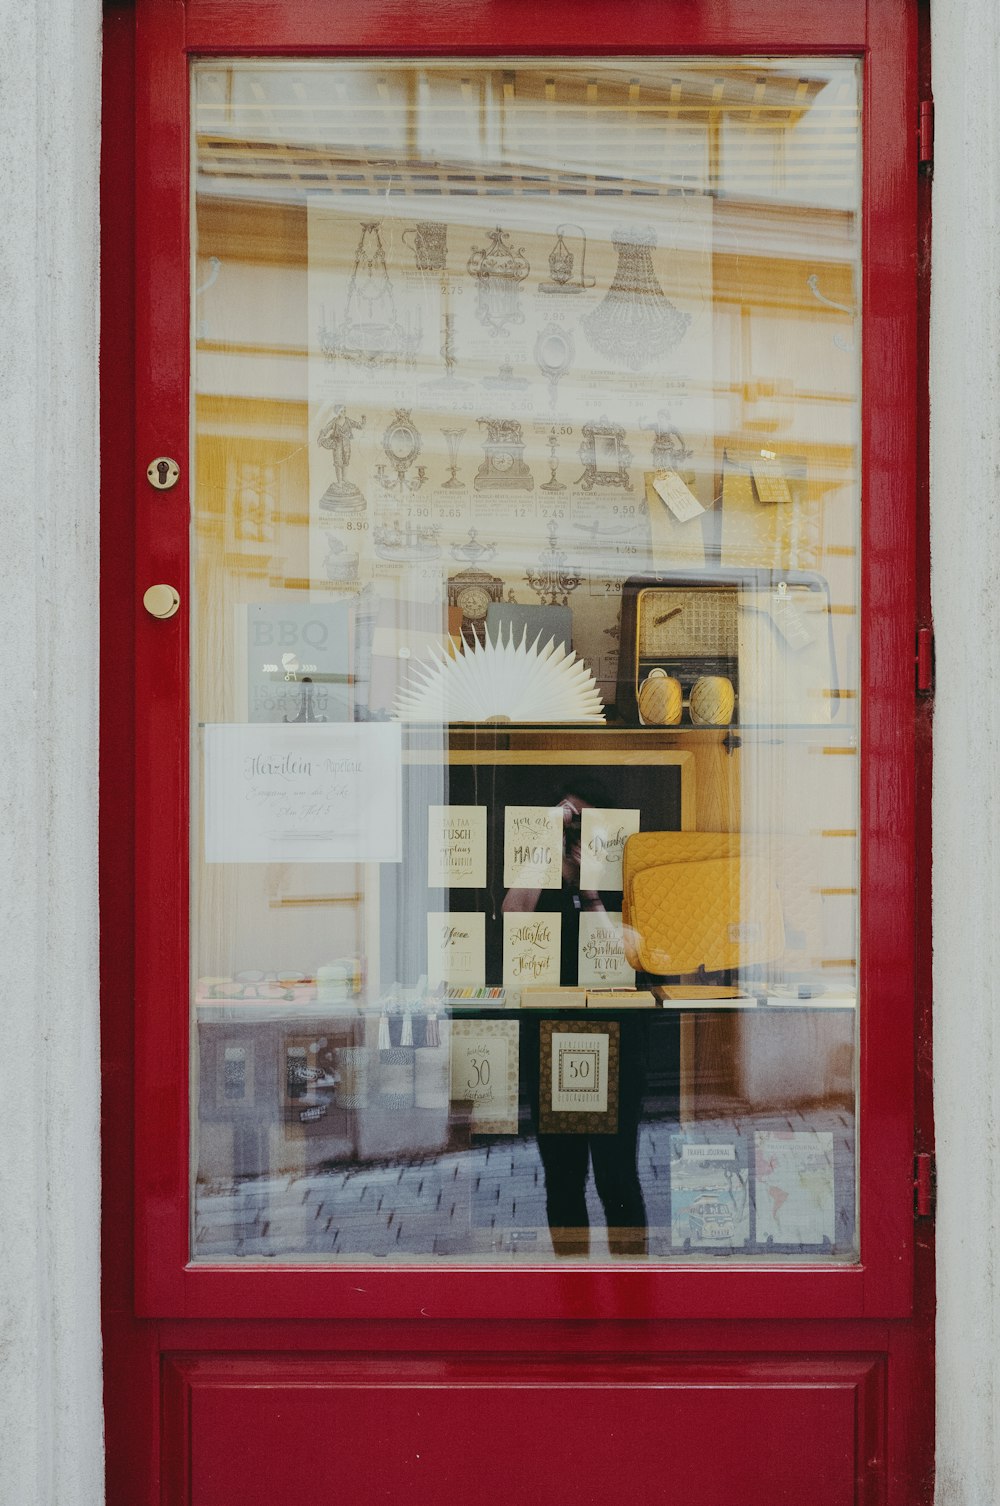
point(750, 647)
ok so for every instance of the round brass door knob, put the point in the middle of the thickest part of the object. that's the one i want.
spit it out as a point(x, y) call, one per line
point(161, 601)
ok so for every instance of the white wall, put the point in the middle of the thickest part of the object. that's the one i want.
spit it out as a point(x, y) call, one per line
point(965, 541)
point(50, 1359)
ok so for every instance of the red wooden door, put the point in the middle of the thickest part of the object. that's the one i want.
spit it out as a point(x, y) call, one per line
point(265, 1362)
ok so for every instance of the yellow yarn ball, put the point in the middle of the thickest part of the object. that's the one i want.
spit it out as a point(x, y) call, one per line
point(712, 701)
point(660, 699)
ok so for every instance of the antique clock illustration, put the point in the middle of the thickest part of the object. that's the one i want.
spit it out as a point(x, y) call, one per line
point(503, 467)
point(472, 591)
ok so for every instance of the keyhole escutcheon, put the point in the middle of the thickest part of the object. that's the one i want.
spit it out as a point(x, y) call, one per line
point(163, 473)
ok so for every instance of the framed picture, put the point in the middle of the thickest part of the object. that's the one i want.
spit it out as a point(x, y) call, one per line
point(578, 1079)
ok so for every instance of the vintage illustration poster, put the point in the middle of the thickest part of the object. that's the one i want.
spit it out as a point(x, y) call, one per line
point(489, 389)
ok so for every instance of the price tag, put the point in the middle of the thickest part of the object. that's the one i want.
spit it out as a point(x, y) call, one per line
point(769, 477)
point(790, 621)
point(677, 496)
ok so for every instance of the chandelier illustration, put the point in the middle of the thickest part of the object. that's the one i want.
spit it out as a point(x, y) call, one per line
point(371, 332)
point(635, 320)
point(499, 271)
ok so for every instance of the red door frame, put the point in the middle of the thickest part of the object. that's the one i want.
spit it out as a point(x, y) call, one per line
point(145, 412)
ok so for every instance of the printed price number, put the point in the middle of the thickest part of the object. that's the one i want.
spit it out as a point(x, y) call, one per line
point(578, 1067)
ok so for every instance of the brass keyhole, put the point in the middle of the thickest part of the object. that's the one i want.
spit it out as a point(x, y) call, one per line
point(163, 473)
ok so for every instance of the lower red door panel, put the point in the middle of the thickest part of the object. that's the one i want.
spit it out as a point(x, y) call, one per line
point(351, 1430)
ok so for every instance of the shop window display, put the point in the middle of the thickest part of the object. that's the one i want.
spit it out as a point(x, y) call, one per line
point(525, 660)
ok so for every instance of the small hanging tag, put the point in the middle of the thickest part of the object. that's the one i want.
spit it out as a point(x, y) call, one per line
point(769, 477)
point(789, 620)
point(677, 495)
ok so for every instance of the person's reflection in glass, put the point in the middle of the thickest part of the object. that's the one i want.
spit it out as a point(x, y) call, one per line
point(565, 1157)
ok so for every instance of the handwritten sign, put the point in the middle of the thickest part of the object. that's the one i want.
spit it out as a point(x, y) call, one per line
point(530, 949)
point(602, 842)
point(484, 1071)
point(309, 794)
point(456, 846)
point(602, 951)
point(532, 847)
point(456, 947)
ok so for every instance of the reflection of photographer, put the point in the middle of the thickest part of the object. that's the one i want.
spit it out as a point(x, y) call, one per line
point(565, 1157)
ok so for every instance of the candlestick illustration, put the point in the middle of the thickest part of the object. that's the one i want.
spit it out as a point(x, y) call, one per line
point(552, 485)
point(453, 437)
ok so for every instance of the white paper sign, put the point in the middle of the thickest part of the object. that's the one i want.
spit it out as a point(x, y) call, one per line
point(532, 847)
point(530, 949)
point(484, 1071)
point(309, 794)
point(602, 951)
point(677, 495)
point(456, 846)
point(579, 1071)
point(602, 842)
point(456, 947)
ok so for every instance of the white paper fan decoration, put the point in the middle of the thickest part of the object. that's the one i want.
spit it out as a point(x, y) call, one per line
point(501, 681)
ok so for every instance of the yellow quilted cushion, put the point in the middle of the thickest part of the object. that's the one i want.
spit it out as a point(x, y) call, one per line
point(695, 899)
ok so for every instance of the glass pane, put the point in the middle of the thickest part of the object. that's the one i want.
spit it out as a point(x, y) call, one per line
point(525, 659)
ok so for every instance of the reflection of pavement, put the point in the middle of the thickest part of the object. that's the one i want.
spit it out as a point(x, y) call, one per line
point(487, 1202)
